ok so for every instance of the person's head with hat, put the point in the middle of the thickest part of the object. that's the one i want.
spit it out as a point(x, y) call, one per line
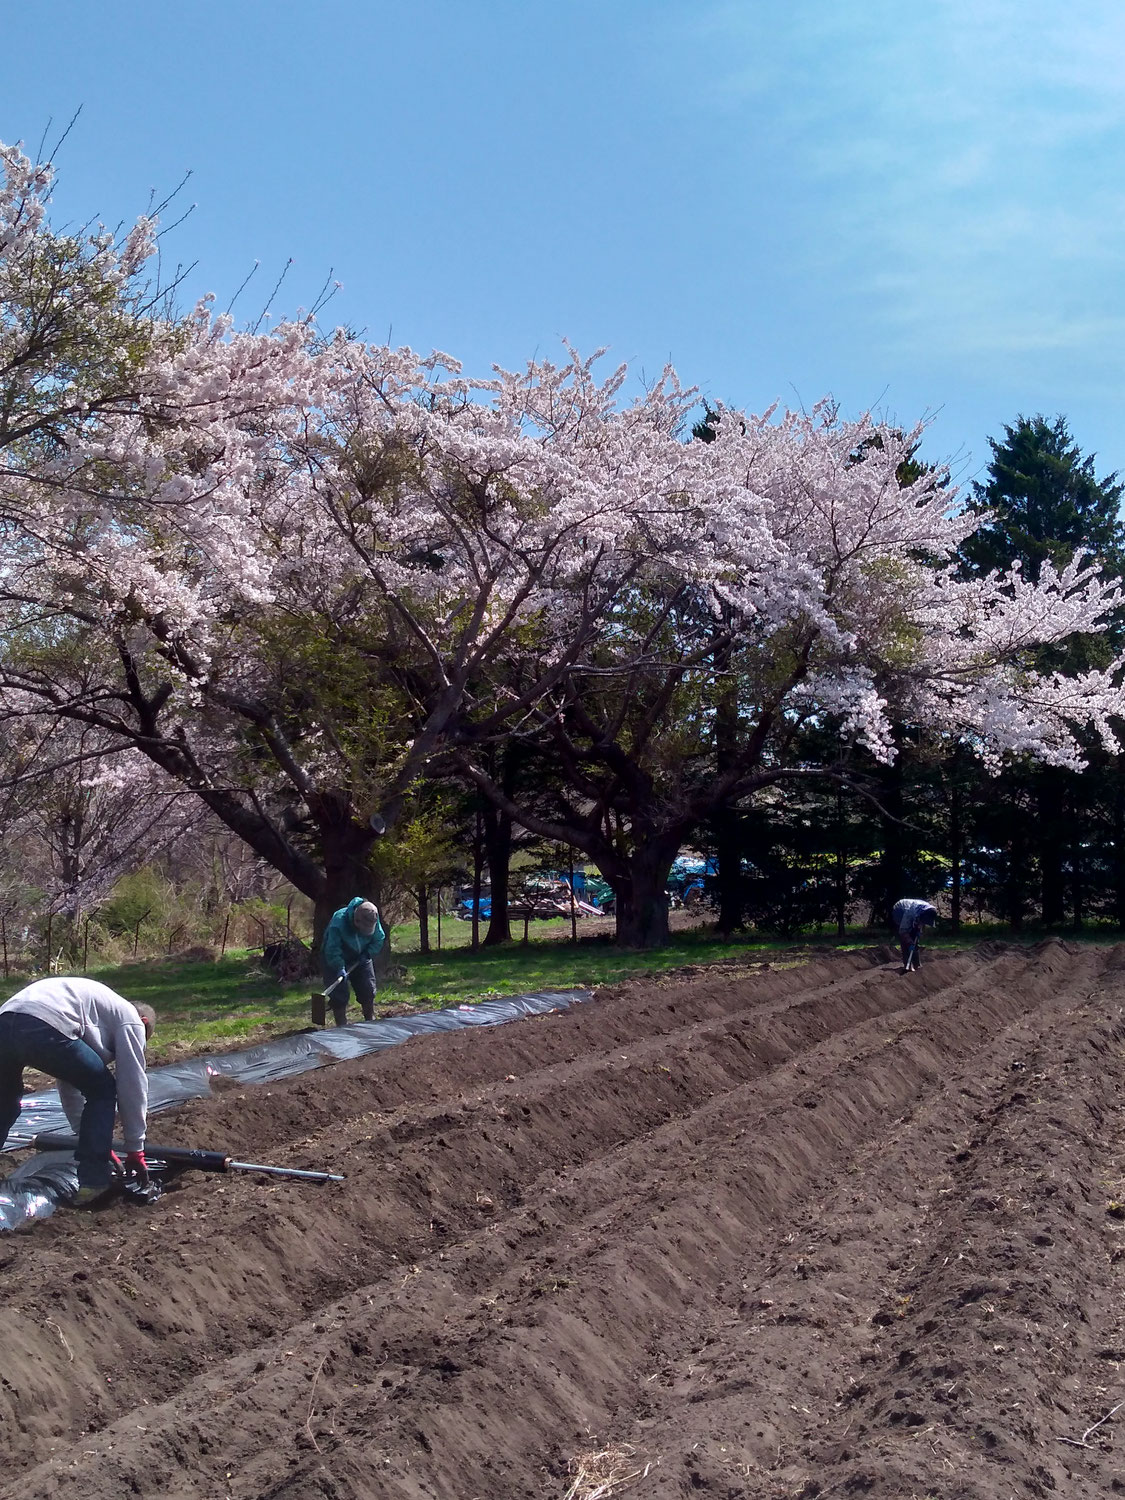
point(365, 918)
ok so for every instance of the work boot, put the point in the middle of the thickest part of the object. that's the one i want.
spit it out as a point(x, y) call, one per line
point(340, 1014)
point(91, 1197)
point(146, 1195)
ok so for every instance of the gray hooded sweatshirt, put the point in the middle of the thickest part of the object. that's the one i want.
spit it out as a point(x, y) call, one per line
point(911, 916)
point(98, 1016)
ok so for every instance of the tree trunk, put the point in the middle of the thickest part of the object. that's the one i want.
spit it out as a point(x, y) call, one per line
point(892, 860)
point(642, 897)
point(727, 832)
point(1077, 824)
point(423, 919)
point(726, 826)
point(841, 876)
point(347, 873)
point(1016, 873)
point(1049, 799)
point(498, 852)
point(955, 839)
point(478, 861)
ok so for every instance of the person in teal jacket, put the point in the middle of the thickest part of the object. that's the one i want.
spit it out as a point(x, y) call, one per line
point(351, 940)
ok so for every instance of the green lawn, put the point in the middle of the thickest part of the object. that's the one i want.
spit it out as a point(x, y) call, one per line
point(229, 1003)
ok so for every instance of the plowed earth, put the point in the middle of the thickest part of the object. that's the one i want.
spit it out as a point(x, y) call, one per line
point(806, 1231)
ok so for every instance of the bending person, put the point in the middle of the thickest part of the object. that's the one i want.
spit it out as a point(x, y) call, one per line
point(351, 940)
point(71, 1029)
point(909, 917)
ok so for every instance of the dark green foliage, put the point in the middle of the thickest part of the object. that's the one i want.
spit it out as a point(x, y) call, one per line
point(1034, 846)
point(787, 873)
point(1045, 502)
point(1044, 842)
point(704, 430)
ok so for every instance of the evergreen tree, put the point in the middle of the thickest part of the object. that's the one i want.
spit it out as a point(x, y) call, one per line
point(1044, 502)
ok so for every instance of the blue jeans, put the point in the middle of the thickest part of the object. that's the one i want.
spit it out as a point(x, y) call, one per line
point(28, 1042)
point(362, 980)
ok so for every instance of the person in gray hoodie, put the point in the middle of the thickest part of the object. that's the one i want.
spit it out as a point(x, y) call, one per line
point(71, 1029)
point(909, 917)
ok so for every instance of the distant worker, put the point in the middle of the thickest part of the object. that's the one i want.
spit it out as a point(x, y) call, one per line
point(70, 1029)
point(351, 940)
point(908, 918)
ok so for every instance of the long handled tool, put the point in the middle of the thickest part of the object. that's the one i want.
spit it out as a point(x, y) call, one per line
point(319, 1001)
point(186, 1158)
point(910, 964)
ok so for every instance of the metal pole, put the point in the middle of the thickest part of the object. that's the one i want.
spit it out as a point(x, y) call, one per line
point(439, 919)
point(85, 943)
point(226, 928)
point(253, 1166)
point(4, 940)
point(49, 920)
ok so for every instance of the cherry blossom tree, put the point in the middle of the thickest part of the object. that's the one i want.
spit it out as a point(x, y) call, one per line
point(297, 573)
point(279, 573)
point(99, 812)
point(77, 322)
point(829, 595)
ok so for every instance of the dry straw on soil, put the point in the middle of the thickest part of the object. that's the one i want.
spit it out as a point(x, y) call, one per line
point(605, 1472)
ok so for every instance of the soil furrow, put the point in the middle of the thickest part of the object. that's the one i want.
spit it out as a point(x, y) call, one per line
point(546, 1242)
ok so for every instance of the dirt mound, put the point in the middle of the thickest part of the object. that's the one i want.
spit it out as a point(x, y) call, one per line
point(792, 1231)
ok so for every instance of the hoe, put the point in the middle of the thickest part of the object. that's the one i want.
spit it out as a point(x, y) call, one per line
point(319, 1001)
point(168, 1161)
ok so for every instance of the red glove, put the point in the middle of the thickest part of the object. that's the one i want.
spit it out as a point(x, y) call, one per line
point(136, 1168)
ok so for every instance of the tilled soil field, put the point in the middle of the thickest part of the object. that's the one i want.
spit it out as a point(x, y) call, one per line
point(757, 1232)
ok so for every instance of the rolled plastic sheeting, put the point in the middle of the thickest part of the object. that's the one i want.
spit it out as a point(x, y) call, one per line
point(32, 1190)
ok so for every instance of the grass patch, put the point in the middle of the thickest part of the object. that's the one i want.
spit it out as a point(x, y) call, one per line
point(232, 1002)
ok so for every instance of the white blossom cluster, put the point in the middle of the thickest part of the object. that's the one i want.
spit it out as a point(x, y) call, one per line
point(538, 516)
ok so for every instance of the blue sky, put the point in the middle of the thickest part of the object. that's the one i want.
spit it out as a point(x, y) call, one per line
point(912, 207)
